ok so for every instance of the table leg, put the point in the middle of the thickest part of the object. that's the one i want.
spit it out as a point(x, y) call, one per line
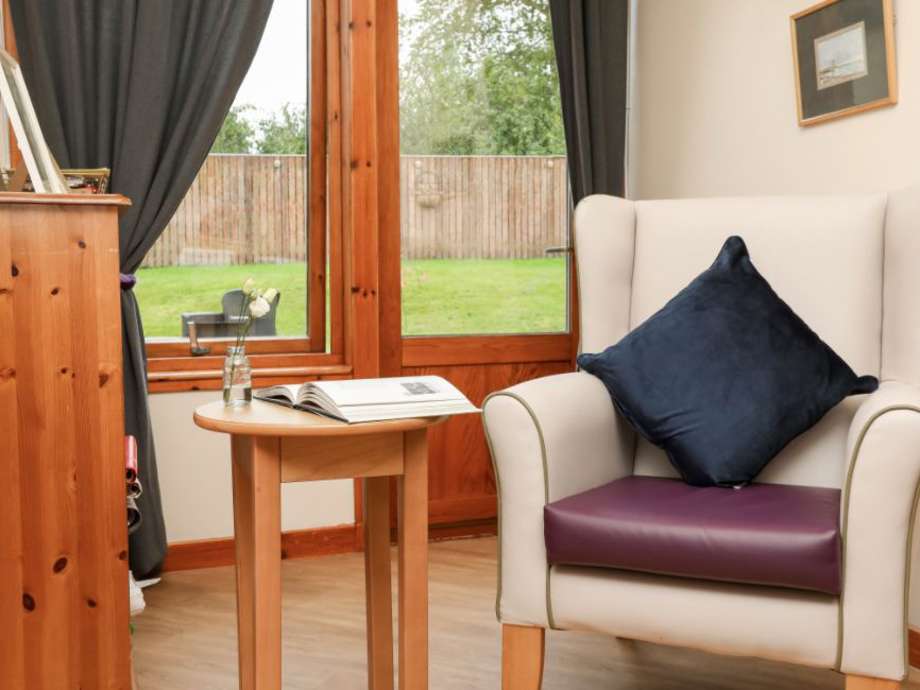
point(378, 585)
point(413, 563)
point(257, 524)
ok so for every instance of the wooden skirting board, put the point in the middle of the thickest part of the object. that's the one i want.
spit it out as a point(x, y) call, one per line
point(322, 541)
point(212, 553)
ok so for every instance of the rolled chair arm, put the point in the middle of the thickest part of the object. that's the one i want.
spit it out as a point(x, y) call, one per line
point(879, 502)
point(550, 438)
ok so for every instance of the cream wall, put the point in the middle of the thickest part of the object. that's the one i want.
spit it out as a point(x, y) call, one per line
point(716, 110)
point(714, 114)
point(194, 468)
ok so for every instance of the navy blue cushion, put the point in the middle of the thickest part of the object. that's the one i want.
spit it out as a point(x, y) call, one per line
point(725, 375)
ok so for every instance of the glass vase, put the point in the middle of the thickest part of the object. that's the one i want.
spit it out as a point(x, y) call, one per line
point(237, 377)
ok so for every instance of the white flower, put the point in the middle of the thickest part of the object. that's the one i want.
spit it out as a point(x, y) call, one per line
point(249, 286)
point(259, 307)
point(270, 295)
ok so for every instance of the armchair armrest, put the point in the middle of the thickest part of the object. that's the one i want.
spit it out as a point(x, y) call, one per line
point(549, 438)
point(879, 502)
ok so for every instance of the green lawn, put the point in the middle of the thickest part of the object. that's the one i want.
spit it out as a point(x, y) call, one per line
point(440, 296)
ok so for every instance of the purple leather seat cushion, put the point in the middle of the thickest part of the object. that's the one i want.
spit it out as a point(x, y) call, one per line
point(766, 534)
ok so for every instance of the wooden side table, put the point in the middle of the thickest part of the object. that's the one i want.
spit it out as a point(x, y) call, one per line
point(272, 444)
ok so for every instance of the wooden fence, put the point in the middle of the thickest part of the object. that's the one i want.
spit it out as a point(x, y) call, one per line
point(482, 207)
point(239, 210)
point(245, 209)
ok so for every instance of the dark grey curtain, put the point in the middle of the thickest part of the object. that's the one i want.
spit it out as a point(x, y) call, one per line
point(141, 87)
point(591, 40)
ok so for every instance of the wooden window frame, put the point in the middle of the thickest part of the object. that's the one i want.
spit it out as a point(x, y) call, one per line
point(171, 367)
point(439, 350)
point(359, 206)
point(363, 210)
point(283, 359)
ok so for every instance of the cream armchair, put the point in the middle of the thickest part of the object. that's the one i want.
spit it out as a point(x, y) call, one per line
point(559, 448)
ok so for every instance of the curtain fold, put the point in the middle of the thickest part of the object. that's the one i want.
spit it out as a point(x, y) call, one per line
point(141, 87)
point(591, 41)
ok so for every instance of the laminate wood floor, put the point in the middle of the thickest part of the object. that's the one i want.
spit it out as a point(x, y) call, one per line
point(186, 639)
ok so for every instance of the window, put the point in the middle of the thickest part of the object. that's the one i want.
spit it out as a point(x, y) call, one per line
point(248, 212)
point(485, 203)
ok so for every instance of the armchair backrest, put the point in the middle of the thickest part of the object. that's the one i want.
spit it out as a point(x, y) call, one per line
point(834, 260)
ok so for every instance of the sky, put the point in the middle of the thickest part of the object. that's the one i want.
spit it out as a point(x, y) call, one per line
point(278, 74)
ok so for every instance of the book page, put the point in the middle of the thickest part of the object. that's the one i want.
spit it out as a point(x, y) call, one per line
point(400, 390)
point(288, 392)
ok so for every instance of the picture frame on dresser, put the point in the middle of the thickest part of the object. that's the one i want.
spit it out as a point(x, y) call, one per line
point(37, 158)
point(843, 53)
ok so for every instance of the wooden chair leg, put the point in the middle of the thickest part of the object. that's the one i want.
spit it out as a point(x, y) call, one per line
point(522, 657)
point(866, 683)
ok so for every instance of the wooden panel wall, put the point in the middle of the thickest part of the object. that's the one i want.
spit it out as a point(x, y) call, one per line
point(63, 544)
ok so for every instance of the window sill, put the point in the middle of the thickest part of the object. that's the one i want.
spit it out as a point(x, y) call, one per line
point(212, 379)
point(158, 348)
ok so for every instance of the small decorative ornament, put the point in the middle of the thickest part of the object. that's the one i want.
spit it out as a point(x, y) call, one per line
point(256, 303)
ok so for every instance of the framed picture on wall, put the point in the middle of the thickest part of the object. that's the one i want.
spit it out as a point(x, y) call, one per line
point(844, 57)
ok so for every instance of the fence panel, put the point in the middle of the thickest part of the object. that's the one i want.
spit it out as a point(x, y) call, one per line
point(244, 209)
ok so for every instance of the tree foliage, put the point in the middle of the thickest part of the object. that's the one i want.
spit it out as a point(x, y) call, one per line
point(237, 134)
point(284, 131)
point(280, 132)
point(480, 78)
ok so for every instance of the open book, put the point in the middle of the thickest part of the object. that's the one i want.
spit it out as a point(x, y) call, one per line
point(372, 400)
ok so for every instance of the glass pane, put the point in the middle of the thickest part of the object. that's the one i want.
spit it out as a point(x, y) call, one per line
point(245, 214)
point(484, 185)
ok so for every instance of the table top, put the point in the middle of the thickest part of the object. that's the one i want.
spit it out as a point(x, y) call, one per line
point(267, 419)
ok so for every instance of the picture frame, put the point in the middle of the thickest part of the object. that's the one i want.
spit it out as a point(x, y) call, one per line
point(87, 180)
point(39, 163)
point(79, 180)
point(843, 53)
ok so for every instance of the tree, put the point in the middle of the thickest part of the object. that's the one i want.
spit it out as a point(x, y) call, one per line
point(523, 108)
point(284, 131)
point(480, 78)
point(237, 134)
